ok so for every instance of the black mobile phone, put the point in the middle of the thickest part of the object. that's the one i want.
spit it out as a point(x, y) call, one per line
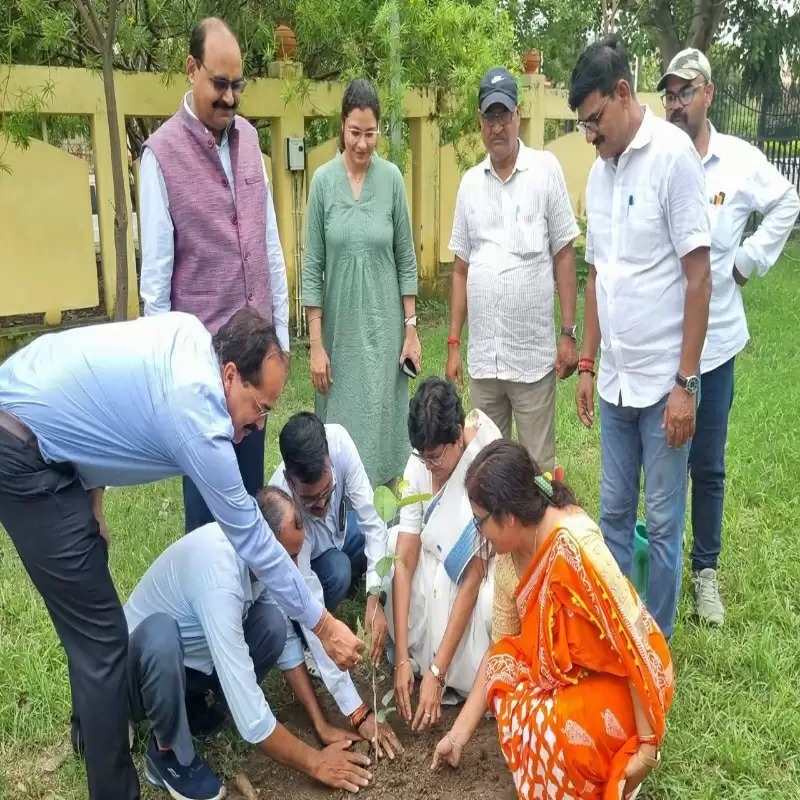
point(408, 368)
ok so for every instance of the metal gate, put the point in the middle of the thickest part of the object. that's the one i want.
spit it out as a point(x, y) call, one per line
point(769, 119)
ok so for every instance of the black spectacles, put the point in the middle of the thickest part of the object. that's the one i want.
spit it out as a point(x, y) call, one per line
point(498, 118)
point(479, 521)
point(322, 498)
point(684, 96)
point(222, 85)
point(592, 122)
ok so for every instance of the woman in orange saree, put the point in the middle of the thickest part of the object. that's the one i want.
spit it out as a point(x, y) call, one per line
point(579, 677)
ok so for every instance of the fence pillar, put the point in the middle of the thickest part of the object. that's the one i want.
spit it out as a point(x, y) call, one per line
point(531, 129)
point(287, 192)
point(424, 139)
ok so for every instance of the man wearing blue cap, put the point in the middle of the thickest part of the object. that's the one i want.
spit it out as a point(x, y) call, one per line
point(513, 229)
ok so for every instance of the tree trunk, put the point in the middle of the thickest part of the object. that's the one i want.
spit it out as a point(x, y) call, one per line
point(120, 202)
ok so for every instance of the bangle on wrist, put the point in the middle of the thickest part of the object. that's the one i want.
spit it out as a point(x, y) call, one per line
point(359, 716)
point(649, 739)
point(590, 371)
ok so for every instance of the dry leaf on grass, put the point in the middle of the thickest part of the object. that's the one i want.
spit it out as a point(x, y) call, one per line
point(242, 784)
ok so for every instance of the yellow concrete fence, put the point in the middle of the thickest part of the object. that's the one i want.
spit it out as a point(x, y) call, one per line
point(47, 255)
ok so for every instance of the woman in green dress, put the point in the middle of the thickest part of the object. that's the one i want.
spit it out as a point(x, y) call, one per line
point(359, 290)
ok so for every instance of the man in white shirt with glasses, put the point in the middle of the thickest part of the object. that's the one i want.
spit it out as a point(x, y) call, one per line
point(739, 181)
point(647, 294)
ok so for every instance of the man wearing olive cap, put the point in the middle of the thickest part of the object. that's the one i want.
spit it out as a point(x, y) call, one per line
point(739, 180)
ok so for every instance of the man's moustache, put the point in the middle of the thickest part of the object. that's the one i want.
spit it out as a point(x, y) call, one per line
point(225, 106)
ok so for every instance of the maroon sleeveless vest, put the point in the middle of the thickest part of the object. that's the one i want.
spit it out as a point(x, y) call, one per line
point(220, 245)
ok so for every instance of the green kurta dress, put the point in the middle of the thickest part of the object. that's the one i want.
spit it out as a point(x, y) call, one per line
point(359, 261)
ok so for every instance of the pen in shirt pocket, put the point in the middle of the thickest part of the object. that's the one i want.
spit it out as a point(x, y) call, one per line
point(630, 203)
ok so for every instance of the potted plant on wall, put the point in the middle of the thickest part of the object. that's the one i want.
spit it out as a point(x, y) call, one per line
point(531, 60)
point(285, 42)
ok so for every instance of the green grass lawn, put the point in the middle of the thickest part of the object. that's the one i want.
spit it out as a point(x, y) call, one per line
point(734, 731)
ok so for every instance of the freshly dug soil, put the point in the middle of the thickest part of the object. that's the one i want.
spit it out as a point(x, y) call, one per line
point(482, 773)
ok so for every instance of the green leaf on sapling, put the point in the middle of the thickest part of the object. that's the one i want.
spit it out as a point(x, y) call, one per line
point(384, 566)
point(385, 503)
point(387, 698)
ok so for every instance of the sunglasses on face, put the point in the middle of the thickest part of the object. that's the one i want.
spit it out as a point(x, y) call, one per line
point(221, 85)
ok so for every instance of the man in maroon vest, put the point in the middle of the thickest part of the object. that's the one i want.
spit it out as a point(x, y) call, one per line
point(209, 235)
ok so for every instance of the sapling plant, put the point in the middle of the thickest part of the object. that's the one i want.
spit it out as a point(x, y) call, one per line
point(387, 504)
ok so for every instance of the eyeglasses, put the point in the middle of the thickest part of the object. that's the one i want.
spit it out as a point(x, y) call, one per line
point(430, 461)
point(592, 122)
point(369, 136)
point(684, 96)
point(479, 521)
point(318, 499)
point(498, 118)
point(222, 85)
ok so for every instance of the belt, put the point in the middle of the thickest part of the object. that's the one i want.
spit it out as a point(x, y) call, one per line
point(17, 428)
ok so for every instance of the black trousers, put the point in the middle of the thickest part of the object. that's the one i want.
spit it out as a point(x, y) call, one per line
point(48, 515)
point(250, 455)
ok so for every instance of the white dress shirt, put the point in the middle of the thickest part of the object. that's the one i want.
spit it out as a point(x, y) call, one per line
point(352, 490)
point(740, 180)
point(644, 213)
point(508, 232)
point(158, 238)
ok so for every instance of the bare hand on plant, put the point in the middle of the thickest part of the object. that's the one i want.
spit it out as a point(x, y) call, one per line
point(377, 628)
point(340, 643)
point(330, 734)
point(429, 708)
point(448, 750)
point(388, 743)
point(336, 766)
point(404, 688)
point(321, 374)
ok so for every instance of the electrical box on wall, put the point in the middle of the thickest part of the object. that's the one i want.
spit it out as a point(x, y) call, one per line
point(296, 153)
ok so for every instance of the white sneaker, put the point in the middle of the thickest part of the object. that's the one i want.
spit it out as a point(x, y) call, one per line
point(707, 602)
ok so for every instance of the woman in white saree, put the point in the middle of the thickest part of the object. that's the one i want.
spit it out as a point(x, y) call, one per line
point(439, 607)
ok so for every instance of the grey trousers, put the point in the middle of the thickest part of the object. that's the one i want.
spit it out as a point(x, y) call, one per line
point(534, 409)
point(158, 681)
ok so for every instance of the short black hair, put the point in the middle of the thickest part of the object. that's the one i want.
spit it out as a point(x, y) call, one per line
point(361, 94)
point(434, 415)
point(247, 339)
point(197, 38)
point(274, 504)
point(304, 446)
point(601, 65)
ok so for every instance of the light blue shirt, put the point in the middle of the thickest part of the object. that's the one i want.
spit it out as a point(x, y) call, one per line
point(202, 584)
point(134, 402)
point(158, 246)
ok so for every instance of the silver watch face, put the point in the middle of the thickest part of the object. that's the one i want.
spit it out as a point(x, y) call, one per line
point(693, 385)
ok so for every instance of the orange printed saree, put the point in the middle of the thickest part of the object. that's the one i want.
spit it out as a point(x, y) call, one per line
point(560, 687)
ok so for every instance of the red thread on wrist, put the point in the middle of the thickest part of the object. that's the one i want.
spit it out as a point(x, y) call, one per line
point(453, 340)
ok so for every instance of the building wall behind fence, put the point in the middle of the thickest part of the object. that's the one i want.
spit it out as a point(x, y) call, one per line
point(47, 256)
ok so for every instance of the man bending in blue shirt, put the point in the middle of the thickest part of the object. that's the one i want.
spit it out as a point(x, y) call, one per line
point(128, 403)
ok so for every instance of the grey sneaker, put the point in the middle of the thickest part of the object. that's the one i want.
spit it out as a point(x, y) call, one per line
point(707, 602)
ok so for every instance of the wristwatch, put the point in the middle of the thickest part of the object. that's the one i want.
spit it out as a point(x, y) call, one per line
point(437, 673)
point(691, 383)
point(412, 320)
point(571, 331)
